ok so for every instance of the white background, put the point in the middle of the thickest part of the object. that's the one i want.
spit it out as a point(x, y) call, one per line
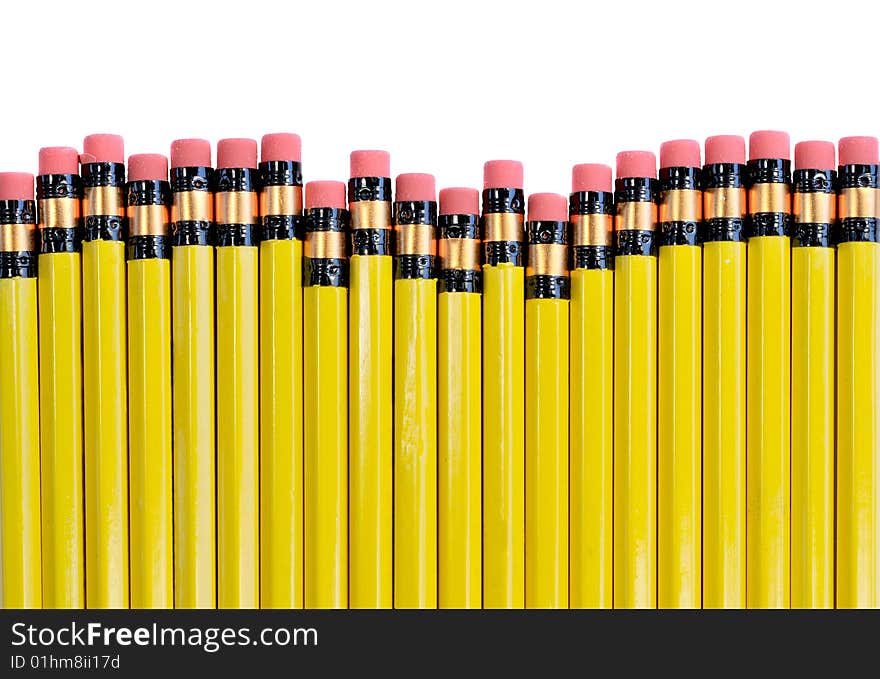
point(443, 86)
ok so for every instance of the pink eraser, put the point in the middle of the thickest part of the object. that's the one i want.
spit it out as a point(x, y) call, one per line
point(280, 146)
point(16, 186)
point(857, 151)
point(725, 148)
point(237, 153)
point(590, 177)
point(459, 201)
point(103, 148)
point(548, 207)
point(59, 160)
point(415, 186)
point(680, 153)
point(370, 163)
point(636, 164)
point(325, 194)
point(147, 167)
point(814, 155)
point(769, 144)
point(190, 153)
point(503, 174)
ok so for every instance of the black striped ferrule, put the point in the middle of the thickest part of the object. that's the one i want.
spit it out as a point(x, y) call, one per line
point(459, 252)
point(769, 189)
point(415, 225)
point(369, 201)
point(724, 203)
point(547, 269)
point(858, 204)
point(18, 239)
point(325, 255)
point(192, 206)
point(591, 214)
point(103, 204)
point(236, 207)
point(681, 206)
point(281, 200)
point(814, 207)
point(635, 219)
point(59, 212)
point(147, 209)
point(504, 226)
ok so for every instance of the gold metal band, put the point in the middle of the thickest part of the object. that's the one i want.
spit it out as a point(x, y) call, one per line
point(192, 206)
point(724, 203)
point(636, 216)
point(324, 245)
point(597, 229)
point(681, 205)
point(503, 226)
point(103, 201)
point(814, 208)
point(59, 213)
point(459, 253)
point(770, 197)
point(148, 220)
point(370, 214)
point(547, 260)
point(281, 200)
point(861, 202)
point(416, 239)
point(236, 207)
point(18, 237)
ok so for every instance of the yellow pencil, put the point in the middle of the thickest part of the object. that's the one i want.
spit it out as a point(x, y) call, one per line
point(325, 395)
point(149, 382)
point(415, 393)
point(591, 460)
point(635, 382)
point(238, 530)
point(104, 372)
point(370, 359)
point(724, 373)
point(547, 299)
point(59, 283)
point(858, 375)
point(458, 401)
point(812, 374)
point(281, 405)
point(679, 379)
point(503, 385)
point(193, 376)
point(768, 373)
point(20, 548)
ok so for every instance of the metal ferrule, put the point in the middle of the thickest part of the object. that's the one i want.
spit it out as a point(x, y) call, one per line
point(725, 204)
point(635, 219)
point(325, 260)
point(858, 204)
point(103, 204)
point(769, 198)
point(149, 219)
point(814, 207)
point(369, 202)
point(18, 239)
point(59, 212)
point(547, 269)
point(591, 214)
point(503, 226)
point(281, 200)
point(681, 206)
point(459, 253)
point(192, 206)
point(236, 207)
point(415, 224)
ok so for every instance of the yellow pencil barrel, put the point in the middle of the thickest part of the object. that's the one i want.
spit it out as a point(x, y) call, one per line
point(679, 383)
point(548, 291)
point(724, 378)
point(635, 395)
point(503, 391)
point(591, 425)
point(325, 400)
point(458, 404)
point(104, 386)
point(20, 537)
point(149, 392)
point(193, 380)
point(768, 385)
point(370, 360)
point(238, 530)
point(415, 401)
point(59, 283)
point(812, 377)
point(281, 384)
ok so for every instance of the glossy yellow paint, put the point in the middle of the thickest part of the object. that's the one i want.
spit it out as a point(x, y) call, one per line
point(105, 424)
point(591, 457)
point(768, 423)
point(503, 436)
point(61, 429)
point(724, 424)
point(415, 443)
point(546, 502)
point(149, 430)
point(193, 414)
point(812, 427)
point(635, 432)
point(460, 447)
point(238, 491)
point(679, 427)
point(281, 424)
point(858, 425)
point(20, 541)
point(325, 400)
point(371, 308)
